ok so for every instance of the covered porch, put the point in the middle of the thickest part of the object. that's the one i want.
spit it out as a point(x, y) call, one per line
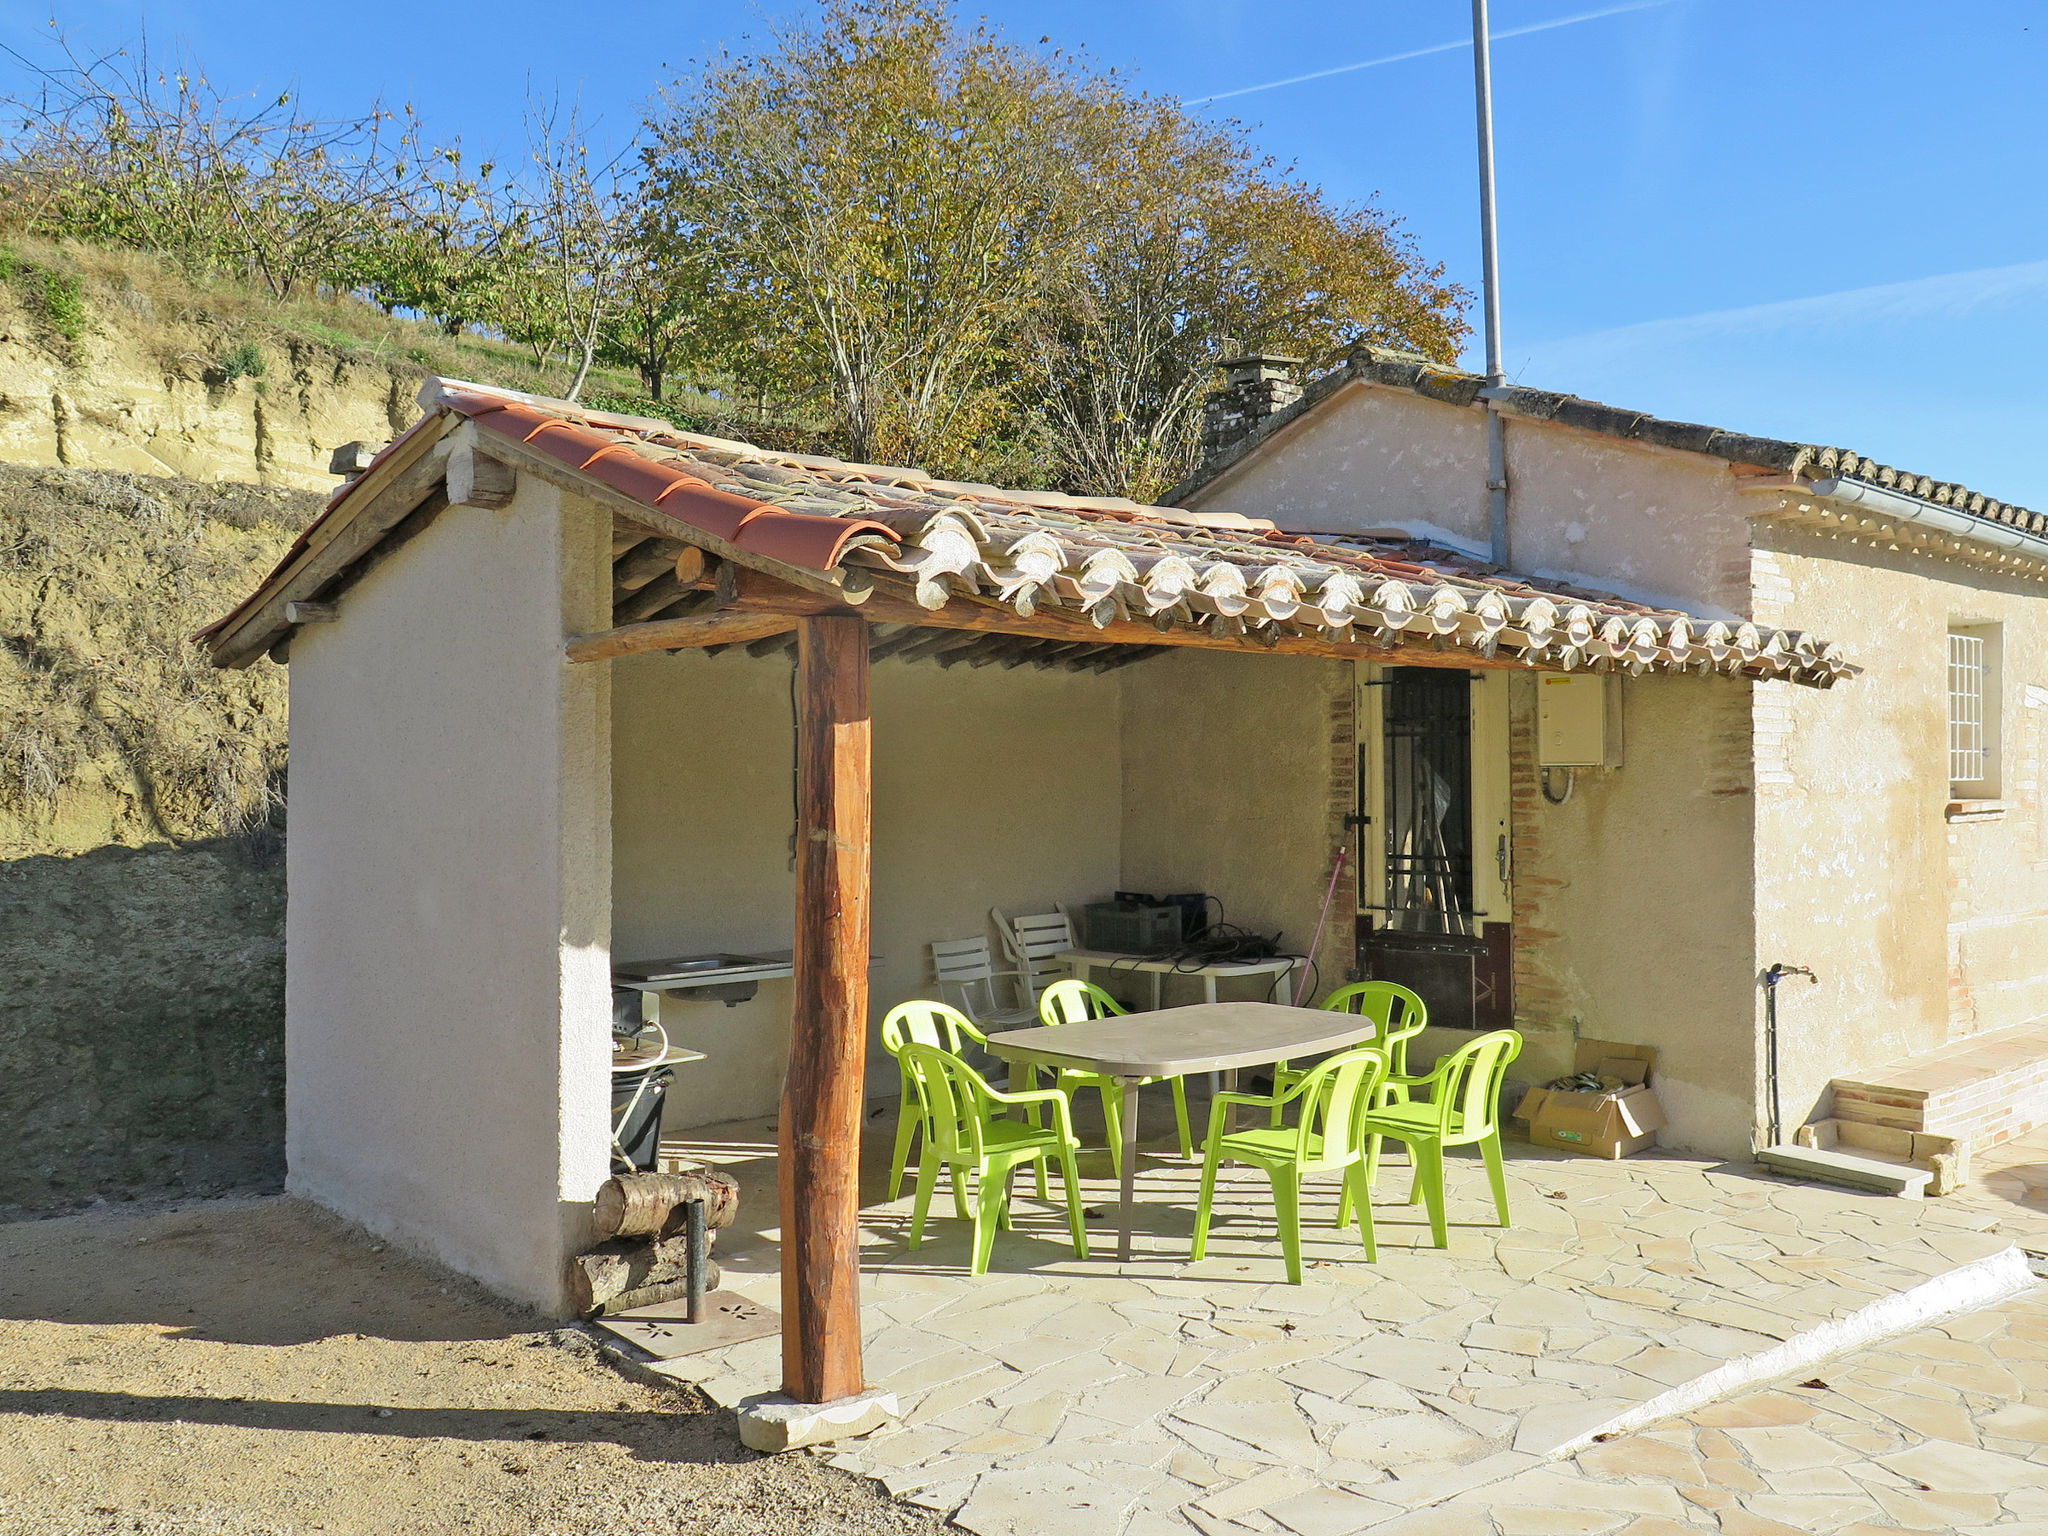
point(1167, 702)
point(768, 724)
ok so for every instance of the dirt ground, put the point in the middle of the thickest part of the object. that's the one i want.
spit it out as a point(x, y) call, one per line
point(255, 1366)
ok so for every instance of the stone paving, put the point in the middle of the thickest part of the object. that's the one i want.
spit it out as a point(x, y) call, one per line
point(1166, 1396)
point(1944, 1429)
point(2016, 1172)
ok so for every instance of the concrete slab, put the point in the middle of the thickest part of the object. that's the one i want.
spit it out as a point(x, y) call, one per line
point(1837, 1167)
point(666, 1332)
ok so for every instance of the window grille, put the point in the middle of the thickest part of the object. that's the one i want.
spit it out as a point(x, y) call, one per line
point(1967, 744)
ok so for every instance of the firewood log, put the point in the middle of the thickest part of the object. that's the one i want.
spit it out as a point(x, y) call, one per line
point(598, 1279)
point(650, 1296)
point(651, 1204)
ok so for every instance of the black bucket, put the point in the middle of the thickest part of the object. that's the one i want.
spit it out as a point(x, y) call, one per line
point(636, 1113)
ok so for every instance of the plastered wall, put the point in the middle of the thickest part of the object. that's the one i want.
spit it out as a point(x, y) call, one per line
point(993, 787)
point(447, 986)
point(1649, 523)
point(1923, 930)
point(1229, 763)
point(1633, 900)
point(1633, 903)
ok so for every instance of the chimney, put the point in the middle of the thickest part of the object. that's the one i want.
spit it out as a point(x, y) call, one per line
point(1255, 386)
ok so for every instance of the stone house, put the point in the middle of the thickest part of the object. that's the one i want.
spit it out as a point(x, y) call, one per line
point(1888, 834)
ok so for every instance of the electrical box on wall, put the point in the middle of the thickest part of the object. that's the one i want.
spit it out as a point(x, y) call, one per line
point(1578, 720)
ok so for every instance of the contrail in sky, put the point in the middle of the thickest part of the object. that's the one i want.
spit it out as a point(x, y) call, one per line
point(1945, 296)
point(1418, 53)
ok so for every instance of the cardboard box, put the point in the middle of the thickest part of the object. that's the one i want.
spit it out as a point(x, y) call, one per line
point(1610, 1124)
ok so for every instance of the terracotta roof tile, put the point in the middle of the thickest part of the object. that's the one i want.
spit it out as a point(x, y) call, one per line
point(939, 542)
point(611, 455)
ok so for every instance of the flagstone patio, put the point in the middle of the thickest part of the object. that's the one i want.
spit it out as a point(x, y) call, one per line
point(1943, 1429)
point(1056, 1394)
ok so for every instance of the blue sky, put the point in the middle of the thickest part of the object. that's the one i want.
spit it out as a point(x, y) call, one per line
point(1806, 218)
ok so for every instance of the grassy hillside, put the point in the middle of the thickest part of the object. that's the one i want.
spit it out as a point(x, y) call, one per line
point(73, 292)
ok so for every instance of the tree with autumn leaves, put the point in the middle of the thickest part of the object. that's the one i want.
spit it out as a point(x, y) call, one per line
point(929, 244)
point(967, 252)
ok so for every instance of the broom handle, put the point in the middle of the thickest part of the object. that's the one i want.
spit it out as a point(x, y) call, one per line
point(1308, 963)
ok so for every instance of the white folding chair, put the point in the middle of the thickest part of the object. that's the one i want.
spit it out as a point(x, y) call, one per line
point(1033, 944)
point(966, 973)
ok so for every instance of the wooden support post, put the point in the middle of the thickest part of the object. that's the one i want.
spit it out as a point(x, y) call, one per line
point(823, 1093)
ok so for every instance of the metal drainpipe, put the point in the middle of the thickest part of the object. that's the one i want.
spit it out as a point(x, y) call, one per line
point(1496, 376)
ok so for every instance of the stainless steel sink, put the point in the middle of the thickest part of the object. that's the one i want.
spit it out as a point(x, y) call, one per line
point(706, 968)
point(697, 963)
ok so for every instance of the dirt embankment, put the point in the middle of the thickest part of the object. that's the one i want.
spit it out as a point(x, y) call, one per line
point(110, 361)
point(141, 874)
point(163, 438)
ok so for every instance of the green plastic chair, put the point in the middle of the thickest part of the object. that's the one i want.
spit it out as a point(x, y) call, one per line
point(964, 1131)
point(1334, 1095)
point(1460, 1107)
point(922, 1023)
point(1072, 1001)
point(1401, 1016)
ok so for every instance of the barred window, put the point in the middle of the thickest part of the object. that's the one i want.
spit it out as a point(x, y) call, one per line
point(1973, 712)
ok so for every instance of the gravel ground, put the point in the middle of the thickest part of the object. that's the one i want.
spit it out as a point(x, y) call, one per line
point(256, 1366)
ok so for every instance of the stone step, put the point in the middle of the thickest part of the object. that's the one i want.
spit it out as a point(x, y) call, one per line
point(1830, 1167)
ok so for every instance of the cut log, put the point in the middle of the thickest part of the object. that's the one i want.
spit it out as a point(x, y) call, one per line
point(625, 1266)
point(692, 565)
point(638, 607)
point(649, 560)
point(656, 1295)
point(651, 1204)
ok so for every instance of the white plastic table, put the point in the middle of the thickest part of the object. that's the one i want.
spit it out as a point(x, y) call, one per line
point(1174, 1042)
point(1085, 962)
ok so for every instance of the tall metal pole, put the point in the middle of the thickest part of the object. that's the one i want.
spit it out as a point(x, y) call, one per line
point(1496, 429)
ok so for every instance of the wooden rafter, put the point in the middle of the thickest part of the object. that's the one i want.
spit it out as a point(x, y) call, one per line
point(683, 634)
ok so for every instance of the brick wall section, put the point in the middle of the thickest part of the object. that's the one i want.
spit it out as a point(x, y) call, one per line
point(1540, 1002)
point(1988, 1090)
point(1337, 957)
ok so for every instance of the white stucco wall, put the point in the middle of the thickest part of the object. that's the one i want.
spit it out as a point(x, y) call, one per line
point(447, 987)
point(993, 787)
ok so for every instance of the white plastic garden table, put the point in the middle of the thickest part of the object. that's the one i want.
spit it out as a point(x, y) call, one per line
point(1084, 963)
point(1174, 1042)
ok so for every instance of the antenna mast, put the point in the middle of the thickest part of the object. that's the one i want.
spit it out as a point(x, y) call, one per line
point(1496, 377)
